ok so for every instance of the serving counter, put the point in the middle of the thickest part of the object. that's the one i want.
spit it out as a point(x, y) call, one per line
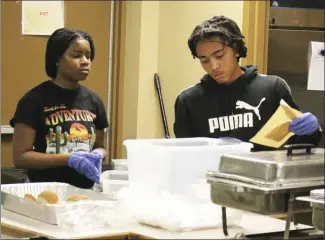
point(14, 225)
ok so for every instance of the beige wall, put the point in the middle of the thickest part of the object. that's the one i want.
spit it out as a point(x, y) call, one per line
point(156, 41)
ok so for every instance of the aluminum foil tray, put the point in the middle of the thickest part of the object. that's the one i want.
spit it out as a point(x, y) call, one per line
point(12, 199)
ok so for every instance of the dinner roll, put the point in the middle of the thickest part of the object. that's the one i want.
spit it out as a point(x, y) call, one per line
point(30, 197)
point(48, 197)
point(76, 198)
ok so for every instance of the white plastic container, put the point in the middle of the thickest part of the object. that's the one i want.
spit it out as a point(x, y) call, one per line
point(174, 170)
point(115, 175)
point(114, 187)
point(120, 164)
point(114, 182)
point(173, 165)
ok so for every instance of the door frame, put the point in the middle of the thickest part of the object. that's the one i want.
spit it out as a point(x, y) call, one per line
point(116, 119)
point(255, 28)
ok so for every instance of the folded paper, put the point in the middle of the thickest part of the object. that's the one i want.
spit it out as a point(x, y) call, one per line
point(276, 131)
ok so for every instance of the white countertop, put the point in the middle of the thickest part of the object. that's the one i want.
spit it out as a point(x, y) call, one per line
point(250, 224)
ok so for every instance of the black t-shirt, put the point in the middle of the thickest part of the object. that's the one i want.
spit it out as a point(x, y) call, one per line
point(70, 117)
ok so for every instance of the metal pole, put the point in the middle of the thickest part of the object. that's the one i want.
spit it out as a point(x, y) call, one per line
point(110, 75)
point(0, 85)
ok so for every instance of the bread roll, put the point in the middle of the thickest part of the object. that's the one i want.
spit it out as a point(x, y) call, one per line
point(76, 198)
point(48, 197)
point(30, 197)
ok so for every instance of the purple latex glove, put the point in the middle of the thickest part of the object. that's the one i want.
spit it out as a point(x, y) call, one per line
point(98, 164)
point(306, 124)
point(85, 164)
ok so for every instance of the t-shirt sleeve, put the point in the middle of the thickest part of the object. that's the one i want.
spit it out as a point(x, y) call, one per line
point(101, 121)
point(28, 111)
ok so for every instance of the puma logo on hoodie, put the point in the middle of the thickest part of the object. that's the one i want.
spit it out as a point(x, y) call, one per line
point(241, 104)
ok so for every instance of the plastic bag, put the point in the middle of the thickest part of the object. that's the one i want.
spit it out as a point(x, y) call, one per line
point(174, 214)
point(191, 210)
point(88, 215)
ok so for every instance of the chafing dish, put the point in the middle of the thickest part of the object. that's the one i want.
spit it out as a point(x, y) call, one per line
point(268, 182)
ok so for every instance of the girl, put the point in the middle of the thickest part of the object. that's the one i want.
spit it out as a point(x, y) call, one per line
point(59, 124)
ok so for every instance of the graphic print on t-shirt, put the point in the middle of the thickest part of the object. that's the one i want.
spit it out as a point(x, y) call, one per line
point(69, 130)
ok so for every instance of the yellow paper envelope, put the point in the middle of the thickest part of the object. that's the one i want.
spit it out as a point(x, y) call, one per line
point(276, 131)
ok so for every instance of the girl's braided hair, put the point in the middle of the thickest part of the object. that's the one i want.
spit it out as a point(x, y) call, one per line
point(222, 27)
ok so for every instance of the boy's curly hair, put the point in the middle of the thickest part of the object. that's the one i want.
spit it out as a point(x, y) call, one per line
point(222, 27)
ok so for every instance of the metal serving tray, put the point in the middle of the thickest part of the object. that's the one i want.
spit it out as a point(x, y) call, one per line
point(12, 198)
point(275, 167)
point(253, 198)
point(263, 182)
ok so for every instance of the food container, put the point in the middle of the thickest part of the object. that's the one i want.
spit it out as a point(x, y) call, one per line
point(318, 208)
point(316, 199)
point(113, 187)
point(120, 164)
point(167, 184)
point(262, 182)
point(115, 175)
point(114, 181)
point(173, 165)
point(12, 199)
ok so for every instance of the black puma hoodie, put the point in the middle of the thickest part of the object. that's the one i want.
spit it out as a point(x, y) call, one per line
point(239, 109)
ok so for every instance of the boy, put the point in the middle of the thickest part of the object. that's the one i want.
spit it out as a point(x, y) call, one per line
point(232, 100)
